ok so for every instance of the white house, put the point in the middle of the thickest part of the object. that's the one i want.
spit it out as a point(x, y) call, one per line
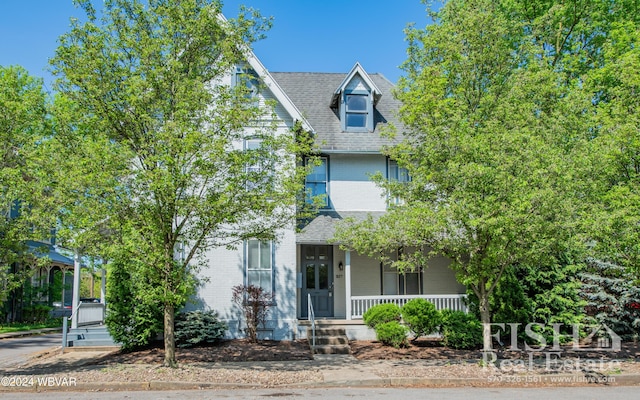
point(345, 112)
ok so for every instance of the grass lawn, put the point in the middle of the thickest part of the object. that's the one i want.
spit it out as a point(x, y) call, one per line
point(21, 326)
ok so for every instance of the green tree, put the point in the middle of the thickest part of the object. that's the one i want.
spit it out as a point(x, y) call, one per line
point(613, 167)
point(23, 186)
point(150, 77)
point(490, 122)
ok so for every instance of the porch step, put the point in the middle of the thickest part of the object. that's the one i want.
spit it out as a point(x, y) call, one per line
point(329, 340)
point(95, 336)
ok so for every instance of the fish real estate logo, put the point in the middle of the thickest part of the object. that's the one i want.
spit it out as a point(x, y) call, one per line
point(552, 357)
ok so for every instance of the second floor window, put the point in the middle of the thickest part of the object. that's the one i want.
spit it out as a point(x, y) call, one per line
point(316, 183)
point(397, 174)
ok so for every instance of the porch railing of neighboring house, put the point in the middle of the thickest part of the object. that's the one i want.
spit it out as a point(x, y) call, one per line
point(90, 313)
point(360, 304)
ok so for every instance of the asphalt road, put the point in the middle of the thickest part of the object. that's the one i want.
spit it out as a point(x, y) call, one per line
point(569, 393)
point(15, 352)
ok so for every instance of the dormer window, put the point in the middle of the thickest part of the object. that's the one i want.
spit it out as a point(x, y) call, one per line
point(355, 99)
point(356, 111)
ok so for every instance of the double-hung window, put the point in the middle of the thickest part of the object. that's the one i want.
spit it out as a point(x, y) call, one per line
point(316, 183)
point(255, 169)
point(259, 260)
point(397, 174)
point(401, 283)
point(247, 79)
point(356, 111)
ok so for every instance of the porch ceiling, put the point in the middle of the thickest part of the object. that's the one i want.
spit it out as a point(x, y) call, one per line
point(322, 228)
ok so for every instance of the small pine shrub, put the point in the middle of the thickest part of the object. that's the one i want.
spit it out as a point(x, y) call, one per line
point(421, 317)
point(392, 334)
point(196, 328)
point(381, 313)
point(460, 330)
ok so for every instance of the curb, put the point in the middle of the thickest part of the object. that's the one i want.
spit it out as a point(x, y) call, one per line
point(11, 335)
point(560, 380)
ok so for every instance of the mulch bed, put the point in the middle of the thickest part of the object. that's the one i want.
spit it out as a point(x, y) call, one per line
point(242, 350)
point(225, 351)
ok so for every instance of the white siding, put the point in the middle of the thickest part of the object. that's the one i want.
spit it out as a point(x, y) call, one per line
point(365, 275)
point(350, 187)
point(226, 268)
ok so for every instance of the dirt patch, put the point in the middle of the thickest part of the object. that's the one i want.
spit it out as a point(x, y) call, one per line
point(226, 351)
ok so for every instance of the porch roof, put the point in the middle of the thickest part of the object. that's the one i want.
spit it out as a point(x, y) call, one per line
point(322, 228)
point(45, 250)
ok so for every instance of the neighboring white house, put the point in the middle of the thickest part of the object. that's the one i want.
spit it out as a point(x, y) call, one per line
point(345, 112)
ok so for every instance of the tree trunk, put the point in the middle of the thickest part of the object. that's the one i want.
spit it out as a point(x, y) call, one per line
point(485, 318)
point(169, 337)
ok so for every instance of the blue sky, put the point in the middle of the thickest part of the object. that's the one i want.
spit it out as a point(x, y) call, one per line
point(307, 35)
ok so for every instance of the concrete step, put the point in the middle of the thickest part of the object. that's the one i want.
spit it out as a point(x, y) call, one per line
point(93, 343)
point(332, 349)
point(331, 340)
point(95, 336)
point(322, 331)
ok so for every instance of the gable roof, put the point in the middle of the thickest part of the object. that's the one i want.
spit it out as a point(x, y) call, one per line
point(356, 70)
point(312, 93)
point(270, 83)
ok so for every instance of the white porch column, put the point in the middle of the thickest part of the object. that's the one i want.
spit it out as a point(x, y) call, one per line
point(76, 289)
point(347, 282)
point(103, 286)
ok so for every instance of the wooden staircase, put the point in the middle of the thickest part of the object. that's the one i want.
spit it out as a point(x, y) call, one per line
point(329, 340)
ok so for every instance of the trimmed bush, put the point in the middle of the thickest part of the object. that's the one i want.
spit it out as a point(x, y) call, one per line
point(421, 317)
point(196, 328)
point(381, 313)
point(460, 330)
point(392, 334)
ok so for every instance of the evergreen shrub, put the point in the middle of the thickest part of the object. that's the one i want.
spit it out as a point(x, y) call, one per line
point(194, 328)
point(461, 330)
point(421, 317)
point(392, 333)
point(381, 313)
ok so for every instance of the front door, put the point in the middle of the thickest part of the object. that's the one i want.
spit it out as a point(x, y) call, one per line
point(317, 280)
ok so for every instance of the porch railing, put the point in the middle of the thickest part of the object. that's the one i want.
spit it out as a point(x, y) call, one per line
point(312, 318)
point(90, 313)
point(360, 304)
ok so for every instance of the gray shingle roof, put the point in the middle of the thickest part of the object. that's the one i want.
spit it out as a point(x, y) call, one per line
point(322, 228)
point(311, 92)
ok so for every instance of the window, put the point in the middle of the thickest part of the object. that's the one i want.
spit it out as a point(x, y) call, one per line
point(396, 173)
point(247, 78)
point(255, 170)
point(260, 264)
point(356, 110)
point(395, 283)
point(316, 183)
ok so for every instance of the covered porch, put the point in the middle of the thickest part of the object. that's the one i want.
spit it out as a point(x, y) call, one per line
point(336, 284)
